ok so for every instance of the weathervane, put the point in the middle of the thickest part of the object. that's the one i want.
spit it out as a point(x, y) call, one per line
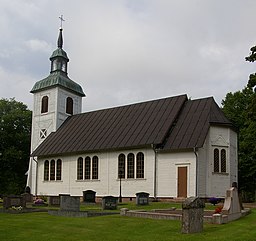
point(61, 20)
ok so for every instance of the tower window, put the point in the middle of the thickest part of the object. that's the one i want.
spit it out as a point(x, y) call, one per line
point(69, 106)
point(44, 106)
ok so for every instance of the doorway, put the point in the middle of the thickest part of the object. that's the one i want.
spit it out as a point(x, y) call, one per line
point(182, 181)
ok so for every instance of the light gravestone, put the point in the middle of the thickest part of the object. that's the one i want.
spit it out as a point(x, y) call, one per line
point(192, 215)
point(232, 206)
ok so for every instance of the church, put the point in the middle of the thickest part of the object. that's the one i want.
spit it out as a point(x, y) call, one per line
point(172, 147)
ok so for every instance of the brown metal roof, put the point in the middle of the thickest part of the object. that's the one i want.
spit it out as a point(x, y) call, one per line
point(122, 127)
point(193, 124)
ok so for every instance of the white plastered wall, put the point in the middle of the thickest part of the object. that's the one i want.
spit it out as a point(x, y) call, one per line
point(50, 121)
point(222, 138)
point(167, 173)
point(108, 182)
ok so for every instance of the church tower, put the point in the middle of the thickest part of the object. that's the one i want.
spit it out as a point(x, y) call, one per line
point(56, 97)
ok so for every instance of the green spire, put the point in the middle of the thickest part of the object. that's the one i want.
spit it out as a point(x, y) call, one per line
point(58, 74)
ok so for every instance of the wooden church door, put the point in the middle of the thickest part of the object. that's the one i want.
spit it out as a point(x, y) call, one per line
point(182, 181)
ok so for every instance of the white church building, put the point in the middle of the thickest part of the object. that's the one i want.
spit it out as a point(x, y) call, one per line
point(171, 147)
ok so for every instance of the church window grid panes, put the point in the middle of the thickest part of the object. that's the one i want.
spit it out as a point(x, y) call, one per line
point(95, 167)
point(44, 104)
point(46, 170)
point(87, 168)
point(80, 168)
point(130, 165)
point(140, 165)
point(52, 170)
point(219, 160)
point(58, 169)
point(223, 158)
point(69, 105)
point(121, 166)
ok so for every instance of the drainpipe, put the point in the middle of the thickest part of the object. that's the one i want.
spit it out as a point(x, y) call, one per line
point(36, 173)
point(195, 152)
point(155, 172)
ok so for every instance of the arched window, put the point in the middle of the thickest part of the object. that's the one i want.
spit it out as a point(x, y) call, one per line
point(46, 170)
point(52, 170)
point(44, 105)
point(95, 167)
point(216, 160)
point(87, 168)
point(121, 166)
point(80, 168)
point(140, 165)
point(223, 158)
point(69, 106)
point(58, 169)
point(130, 165)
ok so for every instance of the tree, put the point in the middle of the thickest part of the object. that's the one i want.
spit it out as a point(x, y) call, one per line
point(15, 128)
point(240, 108)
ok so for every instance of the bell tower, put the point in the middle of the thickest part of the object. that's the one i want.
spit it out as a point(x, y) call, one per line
point(56, 97)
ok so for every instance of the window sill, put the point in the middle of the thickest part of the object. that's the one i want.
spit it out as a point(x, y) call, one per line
point(220, 173)
point(89, 180)
point(52, 181)
point(131, 179)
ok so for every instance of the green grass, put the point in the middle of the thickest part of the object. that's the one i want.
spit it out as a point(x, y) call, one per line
point(41, 226)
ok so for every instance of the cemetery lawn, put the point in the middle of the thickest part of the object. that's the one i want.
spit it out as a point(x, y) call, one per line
point(41, 226)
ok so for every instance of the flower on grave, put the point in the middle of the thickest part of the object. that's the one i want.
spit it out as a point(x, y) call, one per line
point(218, 209)
point(214, 200)
point(16, 208)
point(39, 201)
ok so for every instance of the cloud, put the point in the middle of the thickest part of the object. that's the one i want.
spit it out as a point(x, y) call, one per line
point(126, 51)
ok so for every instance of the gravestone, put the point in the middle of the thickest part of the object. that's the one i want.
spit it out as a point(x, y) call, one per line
point(28, 197)
point(109, 203)
point(89, 196)
point(142, 198)
point(192, 215)
point(54, 200)
point(232, 206)
point(14, 200)
point(69, 203)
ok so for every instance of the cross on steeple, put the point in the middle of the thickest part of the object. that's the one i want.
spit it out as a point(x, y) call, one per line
point(61, 20)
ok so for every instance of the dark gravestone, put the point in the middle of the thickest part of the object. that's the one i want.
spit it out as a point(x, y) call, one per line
point(142, 198)
point(28, 197)
point(89, 196)
point(54, 200)
point(69, 203)
point(13, 200)
point(192, 215)
point(109, 203)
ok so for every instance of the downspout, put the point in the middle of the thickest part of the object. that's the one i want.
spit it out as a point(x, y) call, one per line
point(195, 152)
point(36, 173)
point(155, 172)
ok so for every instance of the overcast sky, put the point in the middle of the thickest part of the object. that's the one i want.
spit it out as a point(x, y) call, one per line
point(126, 51)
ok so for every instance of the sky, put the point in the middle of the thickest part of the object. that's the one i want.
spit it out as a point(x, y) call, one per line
point(127, 51)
